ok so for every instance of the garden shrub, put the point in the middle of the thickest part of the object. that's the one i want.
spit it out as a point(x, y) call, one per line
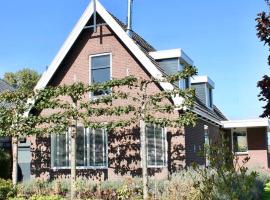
point(189, 184)
point(40, 197)
point(225, 177)
point(180, 186)
point(6, 189)
point(5, 165)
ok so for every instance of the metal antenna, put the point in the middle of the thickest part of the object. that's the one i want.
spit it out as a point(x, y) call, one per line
point(95, 16)
point(129, 17)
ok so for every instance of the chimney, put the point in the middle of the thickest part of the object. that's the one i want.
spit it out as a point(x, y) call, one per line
point(203, 86)
point(129, 17)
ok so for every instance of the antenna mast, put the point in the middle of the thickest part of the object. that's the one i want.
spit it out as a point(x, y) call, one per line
point(95, 16)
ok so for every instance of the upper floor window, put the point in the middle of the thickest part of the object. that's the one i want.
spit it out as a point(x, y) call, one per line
point(100, 71)
point(239, 139)
point(91, 148)
point(156, 146)
point(210, 97)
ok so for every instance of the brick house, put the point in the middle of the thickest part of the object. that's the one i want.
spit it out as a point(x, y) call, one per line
point(115, 52)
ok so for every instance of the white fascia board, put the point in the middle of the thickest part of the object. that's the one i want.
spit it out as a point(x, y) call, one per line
point(171, 53)
point(137, 52)
point(245, 123)
point(202, 79)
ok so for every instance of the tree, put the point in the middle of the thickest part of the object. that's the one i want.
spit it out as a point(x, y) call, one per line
point(25, 78)
point(16, 121)
point(263, 33)
point(68, 103)
point(156, 108)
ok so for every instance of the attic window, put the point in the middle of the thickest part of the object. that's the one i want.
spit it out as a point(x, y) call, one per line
point(100, 71)
point(210, 97)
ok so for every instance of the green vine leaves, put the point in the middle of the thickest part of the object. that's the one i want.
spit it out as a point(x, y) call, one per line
point(130, 100)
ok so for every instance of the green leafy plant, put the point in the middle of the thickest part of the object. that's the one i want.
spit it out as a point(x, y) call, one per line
point(225, 177)
point(6, 189)
point(39, 197)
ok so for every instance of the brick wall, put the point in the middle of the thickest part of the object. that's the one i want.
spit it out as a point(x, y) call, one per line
point(194, 140)
point(257, 148)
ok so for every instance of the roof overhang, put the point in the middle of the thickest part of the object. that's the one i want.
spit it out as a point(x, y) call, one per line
point(202, 79)
point(171, 53)
point(245, 123)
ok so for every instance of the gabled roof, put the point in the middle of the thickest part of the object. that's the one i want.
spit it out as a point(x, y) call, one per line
point(140, 48)
point(140, 53)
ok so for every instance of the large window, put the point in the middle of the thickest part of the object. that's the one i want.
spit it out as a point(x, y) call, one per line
point(239, 137)
point(91, 148)
point(156, 146)
point(100, 69)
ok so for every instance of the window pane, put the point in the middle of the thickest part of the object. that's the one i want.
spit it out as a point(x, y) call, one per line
point(150, 133)
point(98, 62)
point(210, 98)
point(92, 148)
point(240, 141)
point(159, 147)
point(60, 150)
point(155, 146)
point(100, 76)
point(99, 149)
point(81, 147)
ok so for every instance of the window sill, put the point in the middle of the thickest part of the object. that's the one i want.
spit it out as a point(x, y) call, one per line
point(158, 167)
point(241, 153)
point(78, 168)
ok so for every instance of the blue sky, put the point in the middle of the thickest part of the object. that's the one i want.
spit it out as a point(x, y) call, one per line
point(219, 36)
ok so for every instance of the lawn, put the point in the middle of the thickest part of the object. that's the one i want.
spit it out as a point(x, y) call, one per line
point(266, 193)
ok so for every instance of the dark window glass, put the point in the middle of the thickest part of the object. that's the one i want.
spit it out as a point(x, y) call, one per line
point(81, 144)
point(240, 141)
point(91, 147)
point(60, 150)
point(98, 148)
point(100, 72)
point(210, 98)
point(155, 146)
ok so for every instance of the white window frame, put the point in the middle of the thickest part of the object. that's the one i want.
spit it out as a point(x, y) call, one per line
point(164, 133)
point(232, 134)
point(86, 131)
point(104, 134)
point(90, 70)
point(206, 133)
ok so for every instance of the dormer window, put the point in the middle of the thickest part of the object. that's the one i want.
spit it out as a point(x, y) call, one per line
point(203, 86)
point(210, 97)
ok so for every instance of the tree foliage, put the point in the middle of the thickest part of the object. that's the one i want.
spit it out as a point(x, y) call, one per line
point(263, 33)
point(53, 109)
point(25, 78)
